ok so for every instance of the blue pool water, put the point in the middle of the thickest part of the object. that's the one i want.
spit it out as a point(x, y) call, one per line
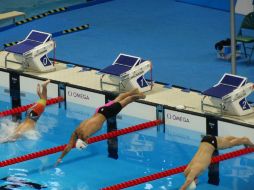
point(140, 153)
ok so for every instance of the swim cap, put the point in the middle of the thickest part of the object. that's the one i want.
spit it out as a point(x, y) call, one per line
point(192, 186)
point(81, 144)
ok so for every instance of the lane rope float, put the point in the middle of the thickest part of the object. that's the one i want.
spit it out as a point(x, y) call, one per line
point(176, 170)
point(89, 141)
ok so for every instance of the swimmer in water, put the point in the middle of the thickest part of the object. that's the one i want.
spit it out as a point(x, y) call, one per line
point(32, 114)
point(94, 123)
point(203, 156)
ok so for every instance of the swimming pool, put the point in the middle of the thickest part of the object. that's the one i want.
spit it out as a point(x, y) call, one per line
point(33, 7)
point(140, 153)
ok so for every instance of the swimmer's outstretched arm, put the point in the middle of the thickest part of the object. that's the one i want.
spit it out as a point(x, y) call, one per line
point(11, 138)
point(7, 139)
point(68, 147)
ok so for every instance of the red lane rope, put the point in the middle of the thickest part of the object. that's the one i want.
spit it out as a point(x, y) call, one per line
point(177, 170)
point(90, 141)
point(26, 107)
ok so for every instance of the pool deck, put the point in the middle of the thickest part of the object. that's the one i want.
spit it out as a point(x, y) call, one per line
point(160, 94)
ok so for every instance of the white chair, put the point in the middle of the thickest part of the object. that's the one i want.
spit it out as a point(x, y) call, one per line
point(32, 52)
point(127, 72)
point(229, 96)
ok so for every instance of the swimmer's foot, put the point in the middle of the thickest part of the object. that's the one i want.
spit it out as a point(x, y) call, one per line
point(44, 84)
point(142, 95)
point(134, 91)
point(248, 143)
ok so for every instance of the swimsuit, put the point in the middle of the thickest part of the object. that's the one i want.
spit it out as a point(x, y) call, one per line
point(36, 110)
point(110, 109)
point(211, 140)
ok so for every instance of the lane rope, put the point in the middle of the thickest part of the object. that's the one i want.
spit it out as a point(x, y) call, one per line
point(176, 170)
point(26, 107)
point(89, 141)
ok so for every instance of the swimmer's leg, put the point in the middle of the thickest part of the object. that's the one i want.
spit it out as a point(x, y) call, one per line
point(43, 94)
point(131, 99)
point(125, 95)
point(231, 141)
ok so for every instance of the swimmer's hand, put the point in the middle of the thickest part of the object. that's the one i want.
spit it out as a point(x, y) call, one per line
point(59, 160)
point(81, 144)
point(192, 186)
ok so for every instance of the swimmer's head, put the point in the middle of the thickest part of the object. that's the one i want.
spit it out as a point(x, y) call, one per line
point(81, 144)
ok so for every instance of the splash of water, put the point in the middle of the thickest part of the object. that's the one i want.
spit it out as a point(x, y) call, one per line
point(148, 186)
point(32, 135)
point(7, 129)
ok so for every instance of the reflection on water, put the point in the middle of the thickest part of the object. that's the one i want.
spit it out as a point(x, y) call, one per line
point(139, 144)
point(45, 124)
point(18, 179)
point(241, 169)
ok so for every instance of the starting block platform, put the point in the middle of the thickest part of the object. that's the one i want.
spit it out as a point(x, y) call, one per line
point(229, 96)
point(31, 53)
point(127, 72)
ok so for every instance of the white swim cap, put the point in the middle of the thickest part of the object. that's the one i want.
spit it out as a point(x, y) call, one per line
point(81, 144)
point(192, 186)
